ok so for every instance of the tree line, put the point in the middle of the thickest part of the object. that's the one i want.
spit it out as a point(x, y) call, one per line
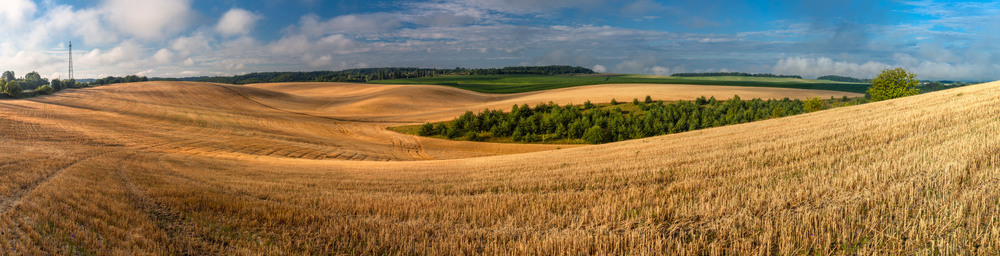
point(847, 79)
point(362, 75)
point(599, 124)
point(734, 74)
point(117, 80)
point(30, 85)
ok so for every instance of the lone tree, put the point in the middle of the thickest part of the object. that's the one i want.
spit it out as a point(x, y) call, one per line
point(893, 83)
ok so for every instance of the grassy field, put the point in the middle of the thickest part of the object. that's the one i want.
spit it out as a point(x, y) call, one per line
point(173, 168)
point(527, 83)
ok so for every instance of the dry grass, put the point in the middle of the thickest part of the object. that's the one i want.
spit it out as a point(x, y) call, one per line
point(167, 168)
point(419, 103)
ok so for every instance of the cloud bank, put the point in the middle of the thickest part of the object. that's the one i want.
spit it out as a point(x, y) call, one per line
point(184, 38)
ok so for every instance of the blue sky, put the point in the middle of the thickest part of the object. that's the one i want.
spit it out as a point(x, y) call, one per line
point(179, 38)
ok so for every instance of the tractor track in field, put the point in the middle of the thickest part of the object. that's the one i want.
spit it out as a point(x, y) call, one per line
point(183, 241)
point(10, 202)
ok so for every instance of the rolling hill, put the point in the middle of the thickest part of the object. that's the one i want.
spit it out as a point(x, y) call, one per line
point(198, 168)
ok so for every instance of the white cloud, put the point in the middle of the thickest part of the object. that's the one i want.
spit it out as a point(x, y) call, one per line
point(444, 19)
point(14, 13)
point(237, 22)
point(660, 71)
point(163, 56)
point(299, 44)
point(528, 6)
point(816, 67)
point(311, 25)
point(637, 65)
point(291, 45)
point(148, 20)
point(127, 52)
point(191, 45)
point(318, 62)
point(599, 69)
point(924, 69)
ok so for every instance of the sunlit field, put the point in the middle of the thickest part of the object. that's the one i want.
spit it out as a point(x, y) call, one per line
point(168, 168)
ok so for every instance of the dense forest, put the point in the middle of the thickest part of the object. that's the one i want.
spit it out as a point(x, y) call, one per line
point(734, 74)
point(599, 124)
point(370, 74)
point(836, 78)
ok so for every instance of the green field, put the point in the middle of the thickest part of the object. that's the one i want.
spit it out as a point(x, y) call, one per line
point(527, 83)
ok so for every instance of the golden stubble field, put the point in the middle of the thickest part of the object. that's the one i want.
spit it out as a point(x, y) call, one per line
point(194, 168)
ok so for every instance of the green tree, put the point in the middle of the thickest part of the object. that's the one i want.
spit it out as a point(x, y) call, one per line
point(57, 84)
point(426, 130)
point(893, 83)
point(44, 90)
point(32, 76)
point(33, 80)
point(648, 99)
point(594, 135)
point(935, 85)
point(614, 102)
point(8, 75)
point(778, 111)
point(12, 89)
point(813, 104)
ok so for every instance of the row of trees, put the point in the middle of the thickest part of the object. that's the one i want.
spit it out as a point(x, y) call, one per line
point(11, 87)
point(600, 124)
point(30, 81)
point(846, 79)
point(526, 70)
point(733, 74)
point(371, 74)
point(33, 84)
point(118, 80)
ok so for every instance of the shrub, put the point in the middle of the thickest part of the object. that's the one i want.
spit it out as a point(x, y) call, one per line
point(614, 102)
point(44, 90)
point(12, 89)
point(57, 84)
point(426, 130)
point(893, 83)
point(813, 104)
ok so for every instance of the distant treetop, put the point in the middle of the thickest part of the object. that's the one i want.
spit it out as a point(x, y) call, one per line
point(371, 74)
point(734, 74)
point(836, 78)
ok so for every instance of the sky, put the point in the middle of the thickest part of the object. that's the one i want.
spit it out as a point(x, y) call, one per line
point(939, 40)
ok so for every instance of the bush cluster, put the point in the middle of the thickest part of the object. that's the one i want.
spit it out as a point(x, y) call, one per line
point(593, 124)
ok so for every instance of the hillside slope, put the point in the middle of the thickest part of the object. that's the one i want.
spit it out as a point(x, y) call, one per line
point(97, 175)
point(421, 103)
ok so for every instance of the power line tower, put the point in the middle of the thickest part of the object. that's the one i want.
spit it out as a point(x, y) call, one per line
point(70, 59)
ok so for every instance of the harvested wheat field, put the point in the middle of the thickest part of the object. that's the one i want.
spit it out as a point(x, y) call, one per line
point(196, 168)
point(421, 103)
